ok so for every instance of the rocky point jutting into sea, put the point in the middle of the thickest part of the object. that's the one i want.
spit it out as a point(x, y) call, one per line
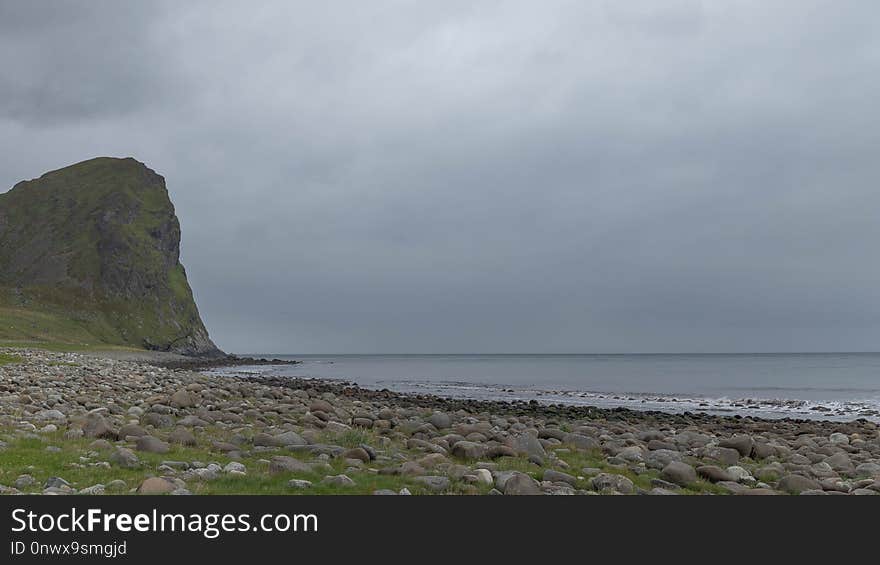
point(76, 423)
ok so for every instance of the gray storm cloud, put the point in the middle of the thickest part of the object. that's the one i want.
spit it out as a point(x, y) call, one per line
point(405, 176)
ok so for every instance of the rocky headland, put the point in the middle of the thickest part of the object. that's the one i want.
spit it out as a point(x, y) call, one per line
point(90, 256)
point(72, 423)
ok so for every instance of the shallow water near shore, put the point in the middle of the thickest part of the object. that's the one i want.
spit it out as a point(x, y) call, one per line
point(835, 386)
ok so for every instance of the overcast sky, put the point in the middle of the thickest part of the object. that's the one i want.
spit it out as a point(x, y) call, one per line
point(412, 176)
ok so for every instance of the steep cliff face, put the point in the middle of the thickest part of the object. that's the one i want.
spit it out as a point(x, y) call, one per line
point(92, 252)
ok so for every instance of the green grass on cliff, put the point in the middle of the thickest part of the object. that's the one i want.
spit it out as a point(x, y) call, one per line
point(54, 326)
point(23, 325)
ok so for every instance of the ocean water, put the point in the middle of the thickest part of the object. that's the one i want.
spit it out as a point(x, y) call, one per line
point(812, 385)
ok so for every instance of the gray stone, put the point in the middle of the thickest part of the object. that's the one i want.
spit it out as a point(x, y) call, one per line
point(319, 405)
point(183, 399)
point(434, 483)
point(632, 454)
point(604, 482)
point(582, 442)
point(741, 442)
point(659, 491)
point(224, 447)
point(469, 450)
point(235, 467)
point(440, 420)
point(132, 430)
point(770, 472)
point(123, 457)
point(660, 458)
point(192, 421)
point(24, 481)
point(715, 474)
point(286, 464)
point(263, 439)
point(660, 483)
point(501, 478)
point(58, 491)
point(94, 490)
point(116, 485)
point(732, 487)
point(869, 469)
point(51, 416)
point(338, 481)
point(415, 443)
point(528, 445)
point(741, 475)
point(724, 455)
point(759, 492)
point(289, 438)
point(182, 436)
point(762, 450)
point(370, 451)
point(863, 492)
point(158, 421)
point(95, 426)
point(411, 468)
point(497, 451)
point(559, 477)
point(151, 444)
point(679, 473)
point(156, 485)
point(657, 445)
point(838, 438)
point(357, 453)
point(840, 462)
point(795, 484)
point(552, 433)
point(55, 482)
point(484, 476)
point(521, 484)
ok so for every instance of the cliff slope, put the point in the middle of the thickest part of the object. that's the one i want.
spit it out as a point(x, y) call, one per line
point(90, 254)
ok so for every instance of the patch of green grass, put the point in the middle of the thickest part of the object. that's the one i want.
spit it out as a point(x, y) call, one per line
point(349, 438)
point(6, 359)
point(75, 463)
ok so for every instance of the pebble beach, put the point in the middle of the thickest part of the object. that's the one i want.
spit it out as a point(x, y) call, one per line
point(73, 423)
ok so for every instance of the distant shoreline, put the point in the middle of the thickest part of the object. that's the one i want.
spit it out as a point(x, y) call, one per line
point(837, 387)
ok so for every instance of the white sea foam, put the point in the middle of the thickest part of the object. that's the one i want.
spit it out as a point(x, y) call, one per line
point(769, 407)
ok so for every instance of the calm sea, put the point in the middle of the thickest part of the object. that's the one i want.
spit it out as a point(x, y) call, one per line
point(826, 385)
